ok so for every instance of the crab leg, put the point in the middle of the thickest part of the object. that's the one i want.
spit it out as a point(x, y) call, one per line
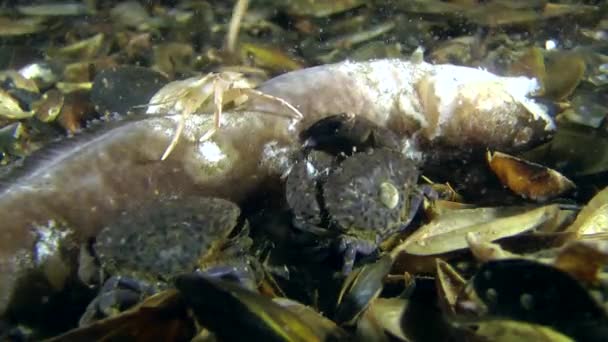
point(282, 102)
point(218, 98)
point(219, 90)
point(176, 135)
point(189, 108)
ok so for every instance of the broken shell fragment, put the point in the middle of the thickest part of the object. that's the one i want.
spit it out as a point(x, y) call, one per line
point(49, 106)
point(486, 251)
point(119, 89)
point(321, 325)
point(450, 285)
point(231, 312)
point(75, 110)
point(527, 179)
point(565, 70)
point(161, 317)
point(583, 259)
point(360, 288)
point(321, 9)
point(537, 293)
point(173, 58)
point(383, 317)
point(587, 108)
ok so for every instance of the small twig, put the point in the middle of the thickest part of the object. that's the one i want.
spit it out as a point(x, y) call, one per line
point(240, 8)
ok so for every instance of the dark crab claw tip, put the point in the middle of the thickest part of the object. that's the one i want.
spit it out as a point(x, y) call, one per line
point(118, 299)
point(346, 133)
point(327, 126)
point(240, 274)
point(323, 133)
point(191, 283)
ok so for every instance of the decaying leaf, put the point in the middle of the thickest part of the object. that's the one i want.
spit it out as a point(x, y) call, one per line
point(11, 109)
point(23, 26)
point(507, 331)
point(448, 232)
point(15, 80)
point(57, 9)
point(531, 64)
point(82, 50)
point(529, 180)
point(321, 8)
point(593, 218)
point(267, 57)
point(559, 72)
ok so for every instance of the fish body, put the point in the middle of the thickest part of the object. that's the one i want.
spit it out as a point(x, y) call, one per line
point(66, 198)
point(439, 105)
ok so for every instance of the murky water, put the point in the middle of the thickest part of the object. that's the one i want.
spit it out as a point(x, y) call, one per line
point(370, 199)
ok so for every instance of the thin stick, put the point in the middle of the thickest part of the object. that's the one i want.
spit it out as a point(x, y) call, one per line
point(240, 8)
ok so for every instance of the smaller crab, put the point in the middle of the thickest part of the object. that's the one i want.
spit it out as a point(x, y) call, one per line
point(355, 200)
point(187, 96)
point(145, 249)
point(347, 133)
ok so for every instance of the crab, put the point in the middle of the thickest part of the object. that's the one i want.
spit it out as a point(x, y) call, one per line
point(189, 95)
point(145, 249)
point(355, 199)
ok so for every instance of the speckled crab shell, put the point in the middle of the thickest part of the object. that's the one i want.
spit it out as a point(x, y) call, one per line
point(367, 195)
point(370, 192)
point(167, 237)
